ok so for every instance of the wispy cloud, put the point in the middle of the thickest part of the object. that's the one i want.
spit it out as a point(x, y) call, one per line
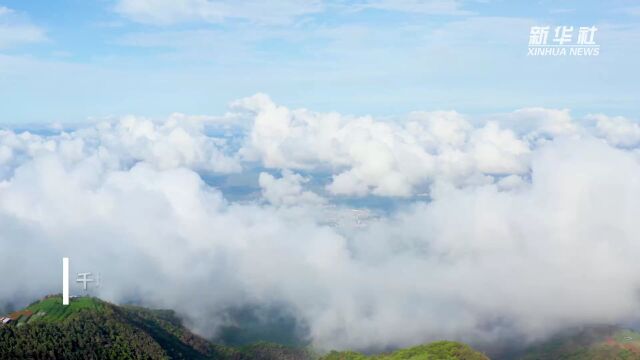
point(15, 30)
point(432, 7)
point(634, 11)
point(166, 12)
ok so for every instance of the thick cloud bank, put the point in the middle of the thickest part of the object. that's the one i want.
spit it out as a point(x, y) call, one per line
point(522, 223)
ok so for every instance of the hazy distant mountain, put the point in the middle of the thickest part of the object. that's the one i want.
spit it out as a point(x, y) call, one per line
point(589, 343)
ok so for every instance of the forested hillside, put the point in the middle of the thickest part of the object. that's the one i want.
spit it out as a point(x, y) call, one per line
point(93, 329)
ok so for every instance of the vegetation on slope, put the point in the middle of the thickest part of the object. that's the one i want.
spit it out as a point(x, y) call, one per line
point(269, 351)
point(441, 350)
point(92, 329)
point(83, 335)
point(89, 328)
point(50, 309)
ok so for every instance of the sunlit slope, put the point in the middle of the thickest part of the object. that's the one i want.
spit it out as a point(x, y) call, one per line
point(89, 328)
point(51, 308)
point(441, 350)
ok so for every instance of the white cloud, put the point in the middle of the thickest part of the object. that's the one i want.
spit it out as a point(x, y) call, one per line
point(617, 130)
point(540, 247)
point(542, 122)
point(165, 12)
point(382, 158)
point(177, 142)
point(16, 31)
point(287, 190)
point(499, 151)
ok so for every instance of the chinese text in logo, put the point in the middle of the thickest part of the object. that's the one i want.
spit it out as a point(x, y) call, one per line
point(563, 41)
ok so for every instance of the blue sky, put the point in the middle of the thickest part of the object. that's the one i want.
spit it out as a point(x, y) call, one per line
point(69, 61)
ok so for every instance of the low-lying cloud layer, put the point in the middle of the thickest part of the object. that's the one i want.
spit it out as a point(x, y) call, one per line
point(521, 223)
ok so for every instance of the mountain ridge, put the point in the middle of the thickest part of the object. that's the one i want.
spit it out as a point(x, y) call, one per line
point(90, 328)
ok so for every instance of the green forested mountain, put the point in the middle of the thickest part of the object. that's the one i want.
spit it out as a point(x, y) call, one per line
point(440, 350)
point(93, 329)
